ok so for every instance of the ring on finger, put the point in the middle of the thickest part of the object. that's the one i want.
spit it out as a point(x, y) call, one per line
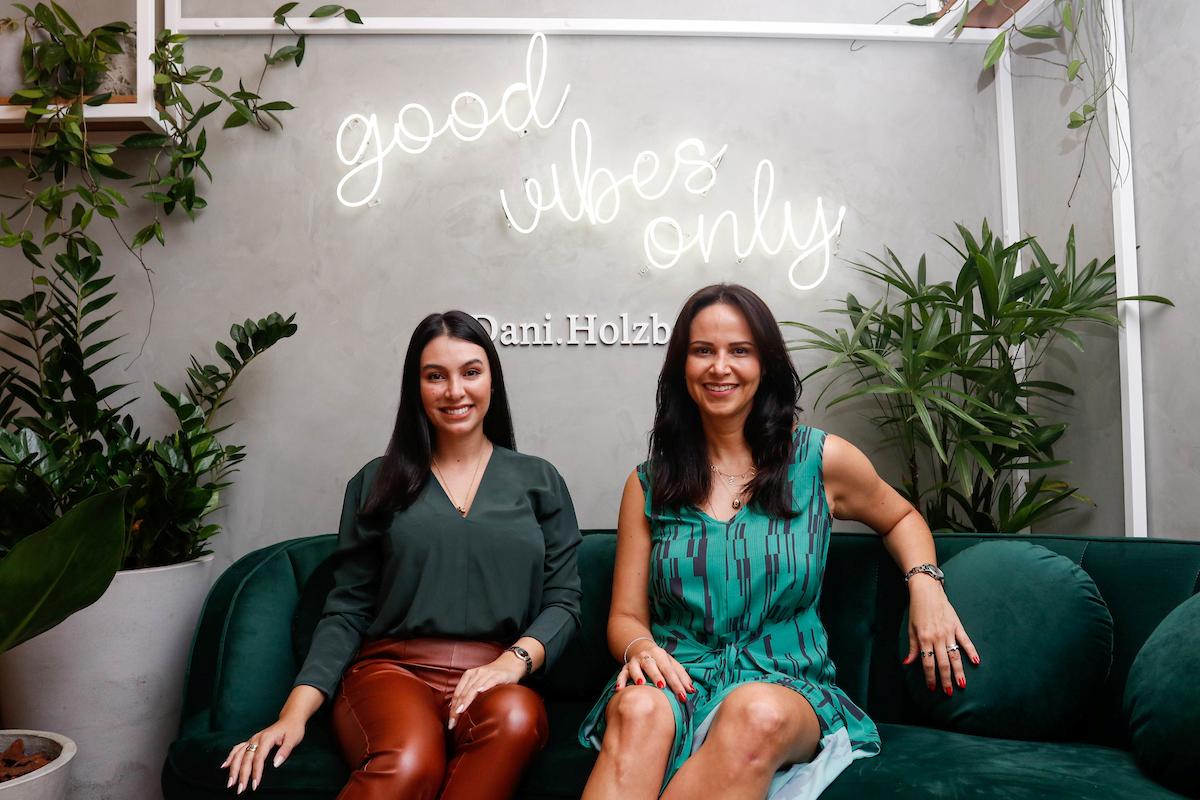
point(252, 747)
point(952, 648)
point(647, 657)
point(927, 654)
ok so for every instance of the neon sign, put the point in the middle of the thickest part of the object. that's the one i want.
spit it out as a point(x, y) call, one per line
point(590, 193)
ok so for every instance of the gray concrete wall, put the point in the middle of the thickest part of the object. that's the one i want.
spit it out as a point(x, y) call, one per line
point(1165, 117)
point(903, 135)
point(1050, 158)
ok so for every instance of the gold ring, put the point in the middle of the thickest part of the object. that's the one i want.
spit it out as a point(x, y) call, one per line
point(252, 747)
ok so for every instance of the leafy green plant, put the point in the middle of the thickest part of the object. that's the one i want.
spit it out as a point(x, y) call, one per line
point(57, 571)
point(1084, 29)
point(953, 365)
point(62, 441)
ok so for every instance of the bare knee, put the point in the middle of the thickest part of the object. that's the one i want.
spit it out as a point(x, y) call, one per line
point(753, 730)
point(638, 713)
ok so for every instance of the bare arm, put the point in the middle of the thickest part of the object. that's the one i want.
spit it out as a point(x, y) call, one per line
point(856, 492)
point(629, 615)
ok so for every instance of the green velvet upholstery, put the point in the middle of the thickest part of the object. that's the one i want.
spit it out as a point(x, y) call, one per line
point(244, 659)
point(1045, 640)
point(1162, 698)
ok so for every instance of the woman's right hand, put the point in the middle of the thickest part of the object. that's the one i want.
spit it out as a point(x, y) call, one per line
point(652, 664)
point(247, 759)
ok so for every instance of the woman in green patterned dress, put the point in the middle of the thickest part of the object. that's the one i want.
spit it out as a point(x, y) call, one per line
point(726, 684)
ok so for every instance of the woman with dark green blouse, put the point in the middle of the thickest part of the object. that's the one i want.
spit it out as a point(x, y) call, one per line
point(454, 579)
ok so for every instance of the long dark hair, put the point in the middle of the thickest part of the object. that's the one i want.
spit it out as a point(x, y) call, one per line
point(405, 467)
point(679, 466)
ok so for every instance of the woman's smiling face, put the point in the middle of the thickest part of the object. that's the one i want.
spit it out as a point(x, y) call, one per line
point(456, 385)
point(723, 369)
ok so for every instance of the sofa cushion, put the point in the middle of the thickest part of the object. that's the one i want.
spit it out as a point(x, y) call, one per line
point(586, 665)
point(1044, 636)
point(926, 764)
point(314, 770)
point(1162, 700)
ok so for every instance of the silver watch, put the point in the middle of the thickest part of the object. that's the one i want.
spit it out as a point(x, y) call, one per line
point(929, 569)
point(523, 654)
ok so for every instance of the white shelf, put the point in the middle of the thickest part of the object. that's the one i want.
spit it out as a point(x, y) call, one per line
point(114, 120)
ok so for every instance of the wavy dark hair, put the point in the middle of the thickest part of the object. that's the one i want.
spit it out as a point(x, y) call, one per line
point(406, 464)
point(679, 465)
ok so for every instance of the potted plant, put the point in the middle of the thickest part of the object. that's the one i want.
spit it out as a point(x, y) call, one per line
point(65, 435)
point(47, 577)
point(941, 362)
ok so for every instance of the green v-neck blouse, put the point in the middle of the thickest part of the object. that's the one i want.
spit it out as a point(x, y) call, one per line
point(506, 570)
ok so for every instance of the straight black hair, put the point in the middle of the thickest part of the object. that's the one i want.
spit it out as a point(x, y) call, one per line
point(406, 464)
point(679, 466)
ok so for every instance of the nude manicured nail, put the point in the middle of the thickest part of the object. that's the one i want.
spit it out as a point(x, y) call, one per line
point(278, 760)
point(255, 785)
point(241, 788)
point(230, 782)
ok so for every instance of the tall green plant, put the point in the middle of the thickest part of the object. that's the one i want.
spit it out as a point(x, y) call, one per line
point(64, 441)
point(953, 365)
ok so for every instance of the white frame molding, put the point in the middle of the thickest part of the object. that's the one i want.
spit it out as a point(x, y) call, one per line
point(139, 115)
point(942, 32)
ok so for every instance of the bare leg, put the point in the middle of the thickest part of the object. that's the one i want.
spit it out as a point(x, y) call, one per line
point(759, 728)
point(640, 728)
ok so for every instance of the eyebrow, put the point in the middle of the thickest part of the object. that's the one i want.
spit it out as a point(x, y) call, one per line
point(731, 344)
point(472, 362)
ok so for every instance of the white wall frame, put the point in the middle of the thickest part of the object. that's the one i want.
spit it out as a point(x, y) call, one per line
point(127, 117)
point(1129, 335)
point(942, 32)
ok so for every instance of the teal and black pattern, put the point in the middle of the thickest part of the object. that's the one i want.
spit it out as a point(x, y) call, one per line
point(737, 602)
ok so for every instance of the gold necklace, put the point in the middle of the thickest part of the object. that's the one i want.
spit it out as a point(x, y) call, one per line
point(737, 500)
point(461, 509)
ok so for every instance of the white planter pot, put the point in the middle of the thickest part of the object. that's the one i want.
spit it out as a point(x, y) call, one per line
point(111, 678)
point(47, 783)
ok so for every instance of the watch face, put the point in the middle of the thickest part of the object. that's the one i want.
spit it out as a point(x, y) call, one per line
point(937, 573)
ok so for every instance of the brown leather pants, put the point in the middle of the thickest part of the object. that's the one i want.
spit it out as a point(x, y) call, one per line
point(390, 718)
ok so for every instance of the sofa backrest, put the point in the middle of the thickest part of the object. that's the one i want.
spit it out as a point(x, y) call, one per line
point(261, 612)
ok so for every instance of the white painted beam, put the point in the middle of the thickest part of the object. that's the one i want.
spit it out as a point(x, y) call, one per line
point(1129, 336)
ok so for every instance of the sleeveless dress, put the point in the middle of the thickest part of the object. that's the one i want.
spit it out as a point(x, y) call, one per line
point(736, 602)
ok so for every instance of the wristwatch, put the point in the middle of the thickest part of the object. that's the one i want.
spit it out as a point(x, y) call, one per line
point(522, 654)
point(929, 569)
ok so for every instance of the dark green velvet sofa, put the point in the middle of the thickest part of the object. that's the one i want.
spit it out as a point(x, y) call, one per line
point(255, 627)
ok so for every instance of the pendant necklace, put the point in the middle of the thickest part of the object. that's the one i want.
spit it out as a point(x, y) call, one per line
point(460, 508)
point(729, 481)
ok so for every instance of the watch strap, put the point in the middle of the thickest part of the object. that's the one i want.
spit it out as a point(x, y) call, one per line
point(522, 654)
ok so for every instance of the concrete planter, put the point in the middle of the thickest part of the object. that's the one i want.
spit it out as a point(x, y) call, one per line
point(47, 783)
point(111, 678)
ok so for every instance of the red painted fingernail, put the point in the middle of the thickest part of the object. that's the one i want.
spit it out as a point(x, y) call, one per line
point(962, 682)
point(618, 687)
point(640, 681)
point(692, 689)
point(949, 691)
point(975, 660)
point(930, 685)
point(660, 684)
point(682, 697)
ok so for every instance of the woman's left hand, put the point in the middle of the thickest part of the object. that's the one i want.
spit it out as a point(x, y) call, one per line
point(936, 636)
point(508, 668)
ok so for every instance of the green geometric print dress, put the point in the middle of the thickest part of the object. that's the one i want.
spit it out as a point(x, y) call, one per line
point(737, 602)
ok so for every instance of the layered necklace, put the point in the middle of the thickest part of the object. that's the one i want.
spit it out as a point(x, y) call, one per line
point(734, 485)
point(461, 508)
